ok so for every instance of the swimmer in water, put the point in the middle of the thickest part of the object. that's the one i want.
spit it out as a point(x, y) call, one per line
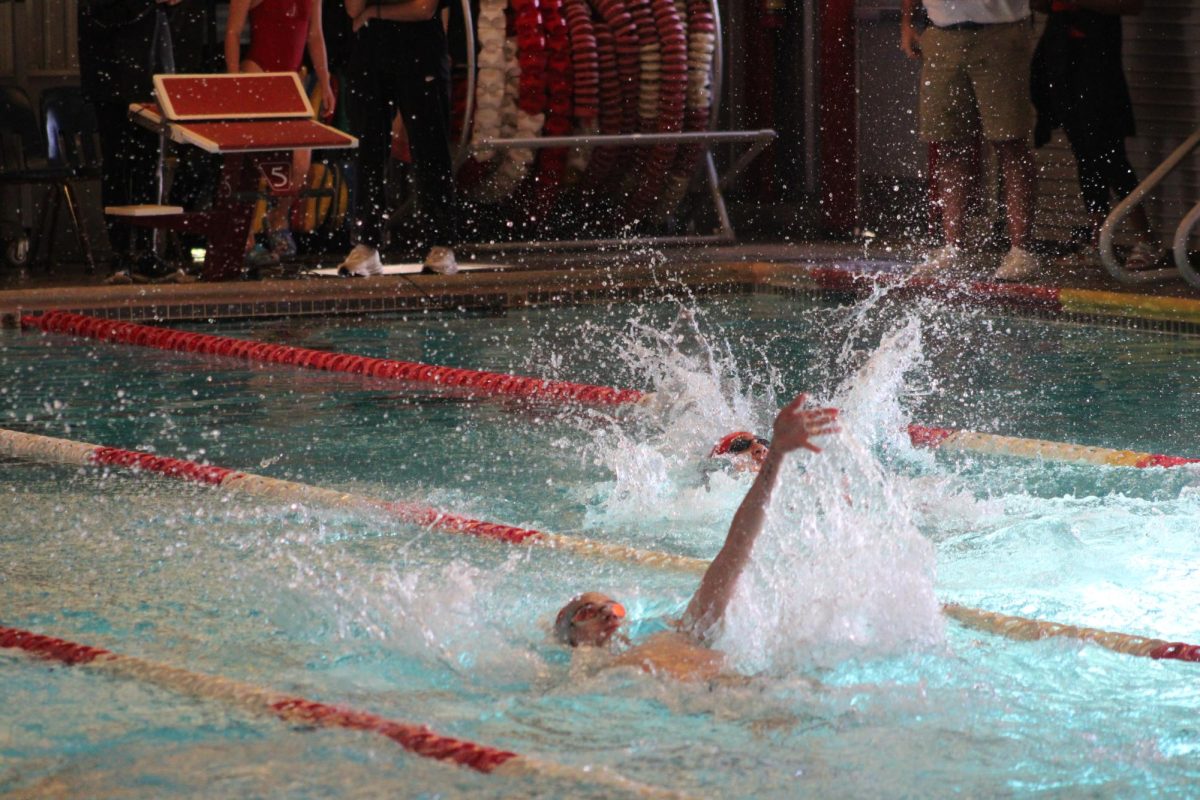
point(593, 620)
point(746, 451)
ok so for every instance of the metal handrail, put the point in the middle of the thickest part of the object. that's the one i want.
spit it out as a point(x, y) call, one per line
point(1182, 234)
point(464, 139)
point(1117, 216)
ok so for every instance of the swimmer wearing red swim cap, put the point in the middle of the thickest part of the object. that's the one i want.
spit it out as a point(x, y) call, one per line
point(747, 451)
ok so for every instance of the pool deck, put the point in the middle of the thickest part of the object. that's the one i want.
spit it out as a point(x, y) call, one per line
point(540, 278)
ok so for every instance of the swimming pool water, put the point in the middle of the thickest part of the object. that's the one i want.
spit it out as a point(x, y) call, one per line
point(364, 611)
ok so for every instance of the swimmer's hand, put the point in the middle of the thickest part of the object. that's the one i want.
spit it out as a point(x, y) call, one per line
point(796, 426)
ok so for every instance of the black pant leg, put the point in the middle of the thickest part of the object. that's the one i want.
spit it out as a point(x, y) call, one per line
point(369, 107)
point(129, 156)
point(424, 102)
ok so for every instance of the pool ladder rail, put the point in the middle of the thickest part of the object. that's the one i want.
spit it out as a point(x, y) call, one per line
point(1183, 265)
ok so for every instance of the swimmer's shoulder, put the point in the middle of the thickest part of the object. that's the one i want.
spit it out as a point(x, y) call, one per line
point(675, 654)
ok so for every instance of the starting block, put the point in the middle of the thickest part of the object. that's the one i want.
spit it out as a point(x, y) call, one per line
point(254, 121)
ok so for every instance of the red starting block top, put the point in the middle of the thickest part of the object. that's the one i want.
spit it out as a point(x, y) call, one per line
point(262, 135)
point(242, 113)
point(248, 95)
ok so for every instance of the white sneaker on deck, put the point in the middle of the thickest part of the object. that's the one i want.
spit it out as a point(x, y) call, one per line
point(441, 261)
point(362, 262)
point(939, 262)
point(1017, 264)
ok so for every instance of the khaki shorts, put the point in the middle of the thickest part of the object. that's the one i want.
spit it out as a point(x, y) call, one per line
point(974, 80)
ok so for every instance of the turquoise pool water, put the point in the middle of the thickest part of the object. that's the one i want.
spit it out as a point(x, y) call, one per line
point(857, 687)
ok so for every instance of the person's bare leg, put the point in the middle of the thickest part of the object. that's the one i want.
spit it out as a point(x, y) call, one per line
point(953, 181)
point(1016, 164)
point(278, 218)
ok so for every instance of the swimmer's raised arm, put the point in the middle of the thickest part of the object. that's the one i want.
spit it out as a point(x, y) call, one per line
point(794, 428)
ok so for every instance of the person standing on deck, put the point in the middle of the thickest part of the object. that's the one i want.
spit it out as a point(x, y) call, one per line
point(975, 58)
point(1079, 85)
point(279, 32)
point(400, 62)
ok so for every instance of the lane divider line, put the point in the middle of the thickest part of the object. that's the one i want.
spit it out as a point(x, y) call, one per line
point(492, 383)
point(476, 381)
point(419, 740)
point(1025, 629)
point(44, 448)
point(64, 451)
point(995, 444)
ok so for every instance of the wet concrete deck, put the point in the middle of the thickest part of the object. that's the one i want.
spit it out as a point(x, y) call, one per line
point(535, 278)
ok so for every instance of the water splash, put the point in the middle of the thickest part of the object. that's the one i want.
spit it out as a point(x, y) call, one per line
point(841, 570)
point(701, 392)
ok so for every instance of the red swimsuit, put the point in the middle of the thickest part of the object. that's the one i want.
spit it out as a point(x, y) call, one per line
point(278, 32)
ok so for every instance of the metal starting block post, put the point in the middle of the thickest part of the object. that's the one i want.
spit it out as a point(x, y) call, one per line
point(254, 121)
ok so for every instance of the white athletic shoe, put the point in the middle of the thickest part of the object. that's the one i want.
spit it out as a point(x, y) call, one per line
point(938, 263)
point(1017, 264)
point(441, 260)
point(362, 262)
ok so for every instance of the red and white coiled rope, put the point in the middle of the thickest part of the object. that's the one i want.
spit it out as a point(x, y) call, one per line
point(702, 46)
point(552, 162)
point(672, 100)
point(585, 77)
point(627, 47)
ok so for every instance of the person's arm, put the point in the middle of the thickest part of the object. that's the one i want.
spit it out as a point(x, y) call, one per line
point(238, 11)
point(794, 428)
point(909, 38)
point(319, 59)
point(402, 11)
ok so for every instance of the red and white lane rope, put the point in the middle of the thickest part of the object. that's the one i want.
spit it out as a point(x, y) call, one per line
point(492, 383)
point(489, 82)
point(1025, 629)
point(526, 62)
point(484, 383)
point(17, 444)
point(994, 444)
point(585, 59)
point(649, 63)
point(419, 740)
